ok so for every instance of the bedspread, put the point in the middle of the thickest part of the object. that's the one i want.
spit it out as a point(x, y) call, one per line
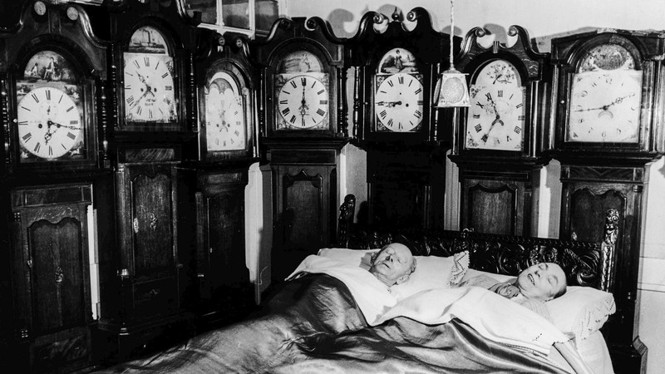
point(314, 325)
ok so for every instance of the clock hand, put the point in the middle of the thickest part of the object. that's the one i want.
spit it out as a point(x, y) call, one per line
point(57, 126)
point(140, 98)
point(49, 134)
point(389, 104)
point(496, 120)
point(618, 100)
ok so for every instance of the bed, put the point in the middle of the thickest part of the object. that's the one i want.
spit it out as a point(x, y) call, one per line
point(333, 318)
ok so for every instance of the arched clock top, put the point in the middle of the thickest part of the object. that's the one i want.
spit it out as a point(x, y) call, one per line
point(532, 64)
point(641, 45)
point(67, 26)
point(313, 34)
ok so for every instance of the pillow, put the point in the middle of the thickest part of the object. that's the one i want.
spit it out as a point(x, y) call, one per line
point(578, 313)
point(581, 311)
point(431, 271)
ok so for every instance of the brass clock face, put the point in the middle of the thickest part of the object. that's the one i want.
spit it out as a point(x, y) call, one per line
point(303, 102)
point(225, 114)
point(302, 93)
point(149, 84)
point(50, 111)
point(605, 98)
point(398, 93)
point(496, 113)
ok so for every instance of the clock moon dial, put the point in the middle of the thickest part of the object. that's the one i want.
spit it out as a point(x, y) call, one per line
point(496, 112)
point(149, 88)
point(303, 102)
point(225, 116)
point(49, 122)
point(398, 102)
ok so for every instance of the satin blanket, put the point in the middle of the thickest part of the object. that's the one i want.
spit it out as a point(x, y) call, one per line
point(313, 325)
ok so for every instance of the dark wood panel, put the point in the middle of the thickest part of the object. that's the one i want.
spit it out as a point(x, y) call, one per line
point(493, 206)
point(152, 224)
point(57, 273)
point(304, 198)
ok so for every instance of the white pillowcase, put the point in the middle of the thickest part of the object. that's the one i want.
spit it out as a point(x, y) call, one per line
point(431, 271)
point(578, 313)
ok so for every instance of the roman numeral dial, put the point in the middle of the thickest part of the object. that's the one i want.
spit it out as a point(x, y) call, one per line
point(50, 124)
point(496, 112)
point(149, 94)
point(302, 103)
point(398, 102)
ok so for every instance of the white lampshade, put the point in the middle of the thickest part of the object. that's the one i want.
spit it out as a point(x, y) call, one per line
point(452, 90)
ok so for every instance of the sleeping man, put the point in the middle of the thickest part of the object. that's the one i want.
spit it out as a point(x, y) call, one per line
point(393, 264)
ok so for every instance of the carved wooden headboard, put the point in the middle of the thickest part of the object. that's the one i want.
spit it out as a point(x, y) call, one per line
point(585, 264)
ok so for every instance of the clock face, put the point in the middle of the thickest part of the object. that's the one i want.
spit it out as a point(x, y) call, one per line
point(496, 112)
point(224, 115)
point(301, 93)
point(398, 93)
point(149, 88)
point(303, 102)
point(605, 98)
point(50, 122)
point(149, 82)
point(398, 102)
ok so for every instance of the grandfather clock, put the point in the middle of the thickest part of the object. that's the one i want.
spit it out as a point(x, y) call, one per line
point(606, 129)
point(301, 116)
point(227, 146)
point(54, 177)
point(395, 71)
point(146, 281)
point(498, 138)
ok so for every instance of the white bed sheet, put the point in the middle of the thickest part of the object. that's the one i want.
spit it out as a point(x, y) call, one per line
point(595, 353)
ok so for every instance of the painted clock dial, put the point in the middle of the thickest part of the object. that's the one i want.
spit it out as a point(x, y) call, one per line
point(605, 98)
point(49, 122)
point(302, 94)
point(399, 102)
point(303, 102)
point(50, 111)
point(496, 113)
point(225, 114)
point(149, 90)
point(398, 93)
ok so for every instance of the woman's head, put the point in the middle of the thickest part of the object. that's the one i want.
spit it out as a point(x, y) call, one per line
point(544, 281)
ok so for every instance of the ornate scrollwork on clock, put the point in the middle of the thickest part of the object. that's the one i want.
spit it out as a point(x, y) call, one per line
point(509, 86)
point(303, 90)
point(395, 68)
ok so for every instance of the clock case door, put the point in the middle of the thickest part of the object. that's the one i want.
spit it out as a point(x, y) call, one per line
point(366, 50)
point(229, 54)
point(647, 50)
point(75, 41)
point(499, 180)
point(312, 35)
point(180, 34)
